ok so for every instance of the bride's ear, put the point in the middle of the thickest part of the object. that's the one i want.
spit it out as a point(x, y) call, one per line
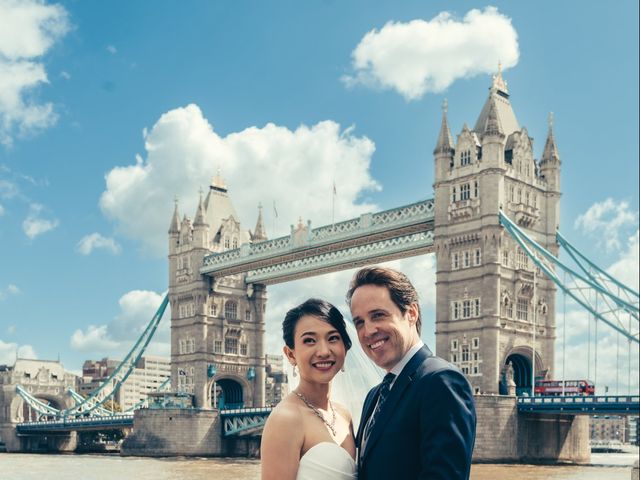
point(290, 355)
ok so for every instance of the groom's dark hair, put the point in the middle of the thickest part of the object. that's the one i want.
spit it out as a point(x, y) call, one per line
point(317, 308)
point(401, 290)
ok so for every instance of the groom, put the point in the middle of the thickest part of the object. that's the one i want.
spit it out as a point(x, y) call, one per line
point(420, 421)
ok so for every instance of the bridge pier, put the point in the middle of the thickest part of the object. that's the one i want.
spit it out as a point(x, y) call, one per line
point(62, 442)
point(504, 435)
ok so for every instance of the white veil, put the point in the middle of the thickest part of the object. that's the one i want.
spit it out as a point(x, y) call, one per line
point(351, 386)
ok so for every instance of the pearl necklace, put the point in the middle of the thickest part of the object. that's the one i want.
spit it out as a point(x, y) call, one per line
point(332, 425)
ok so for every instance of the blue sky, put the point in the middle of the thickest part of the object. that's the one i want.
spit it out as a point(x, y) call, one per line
point(110, 109)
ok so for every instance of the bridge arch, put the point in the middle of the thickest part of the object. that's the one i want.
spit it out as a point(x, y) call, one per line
point(520, 360)
point(20, 411)
point(228, 391)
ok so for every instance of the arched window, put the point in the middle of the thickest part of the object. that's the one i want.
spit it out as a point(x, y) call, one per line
point(231, 310)
point(235, 243)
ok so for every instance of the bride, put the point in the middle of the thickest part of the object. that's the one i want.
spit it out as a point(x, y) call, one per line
point(307, 436)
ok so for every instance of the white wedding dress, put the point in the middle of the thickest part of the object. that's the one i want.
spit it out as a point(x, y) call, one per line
point(326, 461)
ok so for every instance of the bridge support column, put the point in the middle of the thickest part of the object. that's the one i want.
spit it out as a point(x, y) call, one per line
point(554, 438)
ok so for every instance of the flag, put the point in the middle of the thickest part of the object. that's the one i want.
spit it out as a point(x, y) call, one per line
point(275, 212)
point(181, 372)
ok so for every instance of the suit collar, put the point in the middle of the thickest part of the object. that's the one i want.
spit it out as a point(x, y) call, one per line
point(399, 386)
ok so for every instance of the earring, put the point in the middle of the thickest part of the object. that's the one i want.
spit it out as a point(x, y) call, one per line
point(295, 371)
point(342, 369)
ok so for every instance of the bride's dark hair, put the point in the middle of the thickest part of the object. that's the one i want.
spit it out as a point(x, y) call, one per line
point(320, 309)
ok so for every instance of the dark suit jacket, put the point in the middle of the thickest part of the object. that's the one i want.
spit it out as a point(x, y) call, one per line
point(426, 427)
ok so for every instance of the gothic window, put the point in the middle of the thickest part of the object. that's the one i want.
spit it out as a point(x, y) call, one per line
point(477, 257)
point(476, 356)
point(535, 201)
point(475, 343)
point(453, 194)
point(476, 307)
point(519, 195)
point(465, 191)
point(243, 349)
point(467, 259)
point(213, 309)
point(476, 189)
point(526, 196)
point(466, 309)
point(465, 370)
point(505, 257)
point(182, 346)
point(235, 243)
point(454, 358)
point(191, 345)
point(475, 370)
point(226, 242)
point(231, 346)
point(454, 345)
point(508, 308)
point(456, 310)
point(523, 260)
point(522, 309)
point(511, 193)
point(455, 261)
point(465, 157)
point(231, 310)
point(465, 353)
point(217, 346)
point(247, 315)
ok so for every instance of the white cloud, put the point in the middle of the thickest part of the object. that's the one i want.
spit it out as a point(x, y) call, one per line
point(94, 241)
point(427, 56)
point(296, 169)
point(115, 338)
point(626, 269)
point(66, 75)
point(8, 291)
point(605, 220)
point(8, 352)
point(34, 225)
point(28, 29)
point(112, 50)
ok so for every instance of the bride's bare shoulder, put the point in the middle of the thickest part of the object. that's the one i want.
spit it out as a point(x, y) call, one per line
point(286, 413)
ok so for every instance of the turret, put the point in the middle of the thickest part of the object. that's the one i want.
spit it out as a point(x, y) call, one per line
point(493, 137)
point(259, 233)
point(444, 150)
point(174, 230)
point(550, 161)
point(200, 227)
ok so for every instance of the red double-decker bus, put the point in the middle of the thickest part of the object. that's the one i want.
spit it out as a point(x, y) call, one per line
point(571, 388)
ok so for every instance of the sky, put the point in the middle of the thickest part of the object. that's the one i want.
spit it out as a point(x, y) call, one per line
point(111, 110)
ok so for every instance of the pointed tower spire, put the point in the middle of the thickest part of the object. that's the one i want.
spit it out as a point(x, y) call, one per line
point(550, 153)
point(445, 141)
point(492, 125)
point(175, 220)
point(259, 233)
point(199, 220)
point(499, 85)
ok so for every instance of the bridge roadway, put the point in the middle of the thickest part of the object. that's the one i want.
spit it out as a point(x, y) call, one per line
point(372, 237)
point(581, 405)
point(249, 421)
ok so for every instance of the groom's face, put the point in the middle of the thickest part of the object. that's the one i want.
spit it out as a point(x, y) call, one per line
point(385, 333)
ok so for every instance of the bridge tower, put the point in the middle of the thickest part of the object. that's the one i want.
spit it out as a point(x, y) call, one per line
point(489, 294)
point(217, 324)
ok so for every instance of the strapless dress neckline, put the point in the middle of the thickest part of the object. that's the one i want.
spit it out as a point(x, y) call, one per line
point(326, 461)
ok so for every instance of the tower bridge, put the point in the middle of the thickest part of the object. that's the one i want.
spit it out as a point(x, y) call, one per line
point(495, 310)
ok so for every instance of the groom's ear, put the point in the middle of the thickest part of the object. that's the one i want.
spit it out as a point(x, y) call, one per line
point(412, 313)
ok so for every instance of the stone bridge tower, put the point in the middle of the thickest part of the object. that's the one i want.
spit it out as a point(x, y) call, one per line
point(489, 294)
point(217, 324)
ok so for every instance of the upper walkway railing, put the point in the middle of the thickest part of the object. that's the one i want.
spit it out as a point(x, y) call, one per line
point(402, 231)
point(582, 405)
point(74, 424)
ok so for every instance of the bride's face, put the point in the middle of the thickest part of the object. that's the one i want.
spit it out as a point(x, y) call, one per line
point(319, 350)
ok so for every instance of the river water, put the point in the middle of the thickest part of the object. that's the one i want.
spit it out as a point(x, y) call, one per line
point(107, 467)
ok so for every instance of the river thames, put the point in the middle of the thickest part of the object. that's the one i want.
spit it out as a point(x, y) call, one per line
point(103, 467)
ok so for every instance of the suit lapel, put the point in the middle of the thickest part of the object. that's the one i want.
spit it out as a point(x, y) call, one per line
point(367, 410)
point(400, 385)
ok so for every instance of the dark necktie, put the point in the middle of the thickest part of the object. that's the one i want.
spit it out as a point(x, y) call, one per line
point(385, 388)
